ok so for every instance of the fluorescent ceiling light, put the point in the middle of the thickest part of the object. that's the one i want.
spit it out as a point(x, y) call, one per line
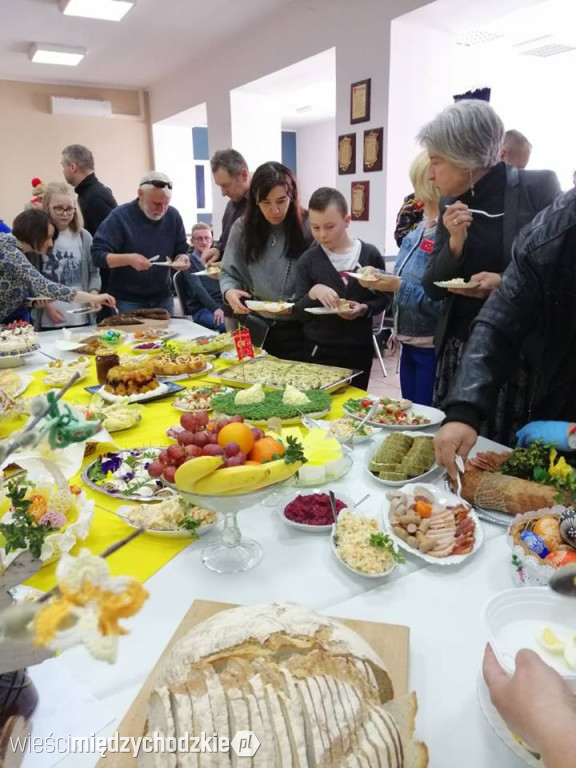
point(109, 10)
point(42, 53)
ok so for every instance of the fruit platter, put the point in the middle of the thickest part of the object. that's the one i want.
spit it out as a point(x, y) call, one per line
point(199, 398)
point(362, 547)
point(257, 406)
point(435, 525)
point(125, 474)
point(205, 345)
point(402, 457)
point(277, 374)
point(173, 518)
point(393, 414)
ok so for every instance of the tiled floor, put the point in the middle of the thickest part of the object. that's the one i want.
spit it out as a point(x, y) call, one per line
point(388, 386)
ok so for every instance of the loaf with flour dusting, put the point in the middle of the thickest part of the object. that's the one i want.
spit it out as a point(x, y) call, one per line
point(312, 690)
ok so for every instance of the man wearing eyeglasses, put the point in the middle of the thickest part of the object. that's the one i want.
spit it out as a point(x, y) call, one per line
point(202, 297)
point(142, 242)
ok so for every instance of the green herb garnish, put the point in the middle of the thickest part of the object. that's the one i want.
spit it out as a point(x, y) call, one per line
point(272, 405)
point(23, 532)
point(294, 451)
point(189, 524)
point(384, 541)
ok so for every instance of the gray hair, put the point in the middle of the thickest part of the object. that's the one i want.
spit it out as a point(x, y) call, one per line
point(468, 133)
point(200, 225)
point(230, 160)
point(80, 156)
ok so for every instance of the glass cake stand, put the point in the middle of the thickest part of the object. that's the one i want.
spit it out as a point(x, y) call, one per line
point(232, 552)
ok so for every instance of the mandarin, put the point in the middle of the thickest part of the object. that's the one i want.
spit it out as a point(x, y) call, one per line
point(265, 449)
point(237, 432)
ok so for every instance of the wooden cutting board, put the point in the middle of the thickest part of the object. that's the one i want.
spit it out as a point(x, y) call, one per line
point(390, 641)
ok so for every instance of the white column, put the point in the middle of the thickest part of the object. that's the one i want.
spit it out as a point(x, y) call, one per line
point(256, 127)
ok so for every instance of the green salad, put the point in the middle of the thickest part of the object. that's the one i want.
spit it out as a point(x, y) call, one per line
point(272, 406)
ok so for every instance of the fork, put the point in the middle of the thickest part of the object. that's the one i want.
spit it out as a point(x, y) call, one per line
point(484, 213)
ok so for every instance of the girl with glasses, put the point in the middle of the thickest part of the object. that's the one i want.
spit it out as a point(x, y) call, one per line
point(69, 262)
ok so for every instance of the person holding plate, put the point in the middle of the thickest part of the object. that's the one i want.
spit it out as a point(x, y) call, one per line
point(344, 338)
point(484, 205)
point(260, 259)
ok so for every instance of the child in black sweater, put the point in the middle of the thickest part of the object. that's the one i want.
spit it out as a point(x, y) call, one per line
point(344, 338)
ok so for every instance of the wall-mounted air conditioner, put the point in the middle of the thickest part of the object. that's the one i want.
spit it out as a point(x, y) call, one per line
point(80, 107)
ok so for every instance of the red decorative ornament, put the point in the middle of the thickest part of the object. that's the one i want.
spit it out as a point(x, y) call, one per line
point(243, 343)
point(36, 181)
point(427, 245)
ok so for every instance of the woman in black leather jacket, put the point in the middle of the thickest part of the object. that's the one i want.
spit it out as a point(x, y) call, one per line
point(485, 204)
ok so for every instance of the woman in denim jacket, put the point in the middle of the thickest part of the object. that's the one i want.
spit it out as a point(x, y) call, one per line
point(415, 314)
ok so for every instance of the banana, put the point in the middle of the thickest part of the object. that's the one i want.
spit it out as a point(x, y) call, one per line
point(232, 480)
point(279, 470)
point(188, 474)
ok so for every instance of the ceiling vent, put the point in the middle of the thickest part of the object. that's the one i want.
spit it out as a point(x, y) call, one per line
point(80, 107)
point(543, 47)
point(477, 37)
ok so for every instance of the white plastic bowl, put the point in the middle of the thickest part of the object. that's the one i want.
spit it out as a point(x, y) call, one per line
point(512, 618)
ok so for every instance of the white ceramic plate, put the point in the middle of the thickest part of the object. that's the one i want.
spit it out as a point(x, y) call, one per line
point(442, 497)
point(206, 369)
point(272, 307)
point(24, 383)
point(500, 728)
point(286, 498)
point(161, 389)
point(398, 483)
point(348, 567)
point(176, 534)
point(434, 416)
point(157, 346)
point(163, 333)
point(179, 401)
point(460, 284)
point(512, 618)
point(322, 311)
point(356, 439)
point(205, 273)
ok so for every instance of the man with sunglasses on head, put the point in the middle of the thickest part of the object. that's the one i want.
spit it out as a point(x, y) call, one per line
point(136, 240)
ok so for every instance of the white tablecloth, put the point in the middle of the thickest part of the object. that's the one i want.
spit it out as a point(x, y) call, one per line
point(441, 605)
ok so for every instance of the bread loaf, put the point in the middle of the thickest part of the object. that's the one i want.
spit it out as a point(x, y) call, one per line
point(312, 690)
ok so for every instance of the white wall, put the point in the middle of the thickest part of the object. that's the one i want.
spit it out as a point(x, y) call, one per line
point(173, 154)
point(256, 127)
point(360, 32)
point(315, 158)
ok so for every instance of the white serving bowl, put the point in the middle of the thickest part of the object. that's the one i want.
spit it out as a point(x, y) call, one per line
point(286, 498)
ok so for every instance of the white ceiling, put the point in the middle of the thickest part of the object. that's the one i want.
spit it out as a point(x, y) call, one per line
point(155, 38)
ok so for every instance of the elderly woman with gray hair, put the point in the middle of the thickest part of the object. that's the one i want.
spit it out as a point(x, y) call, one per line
point(484, 205)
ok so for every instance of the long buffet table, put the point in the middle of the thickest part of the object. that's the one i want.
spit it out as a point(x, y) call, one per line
point(441, 605)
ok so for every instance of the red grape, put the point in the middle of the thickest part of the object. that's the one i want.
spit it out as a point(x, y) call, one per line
point(234, 461)
point(192, 451)
point(202, 418)
point(213, 438)
point(155, 468)
point(212, 450)
point(169, 473)
point(175, 452)
point(258, 433)
point(162, 457)
point(231, 449)
point(237, 418)
point(201, 439)
point(186, 438)
point(189, 421)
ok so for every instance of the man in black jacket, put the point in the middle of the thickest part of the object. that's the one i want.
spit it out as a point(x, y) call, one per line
point(533, 311)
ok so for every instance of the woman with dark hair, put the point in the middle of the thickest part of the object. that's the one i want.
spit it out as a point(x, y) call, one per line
point(259, 260)
point(33, 232)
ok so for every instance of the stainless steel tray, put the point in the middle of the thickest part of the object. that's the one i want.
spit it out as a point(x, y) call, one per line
point(248, 382)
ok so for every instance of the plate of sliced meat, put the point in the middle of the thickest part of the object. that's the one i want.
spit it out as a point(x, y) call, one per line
point(432, 524)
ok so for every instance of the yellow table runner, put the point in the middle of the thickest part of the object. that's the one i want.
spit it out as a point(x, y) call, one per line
point(145, 555)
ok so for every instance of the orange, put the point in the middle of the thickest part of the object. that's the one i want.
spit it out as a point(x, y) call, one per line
point(237, 432)
point(265, 448)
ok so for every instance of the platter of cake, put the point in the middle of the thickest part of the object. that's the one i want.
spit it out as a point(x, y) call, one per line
point(324, 671)
point(402, 457)
point(172, 518)
point(258, 406)
point(124, 474)
point(17, 340)
point(273, 373)
point(432, 524)
point(361, 545)
point(392, 413)
point(134, 384)
point(199, 398)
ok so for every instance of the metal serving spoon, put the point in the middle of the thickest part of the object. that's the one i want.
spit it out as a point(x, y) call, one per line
point(563, 581)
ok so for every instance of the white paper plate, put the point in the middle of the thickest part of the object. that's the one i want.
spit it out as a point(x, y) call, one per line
point(398, 483)
point(177, 534)
point(348, 567)
point(434, 415)
point(511, 619)
point(322, 311)
point(24, 383)
point(286, 498)
point(462, 285)
point(365, 278)
point(443, 497)
point(271, 307)
point(500, 728)
point(205, 273)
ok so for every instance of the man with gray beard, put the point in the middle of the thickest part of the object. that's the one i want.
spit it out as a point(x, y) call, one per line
point(137, 236)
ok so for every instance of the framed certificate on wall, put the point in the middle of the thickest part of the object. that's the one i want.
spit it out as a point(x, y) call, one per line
point(360, 101)
point(372, 155)
point(360, 197)
point(347, 153)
